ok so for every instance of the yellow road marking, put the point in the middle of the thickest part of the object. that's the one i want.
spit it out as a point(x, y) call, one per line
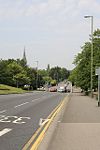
point(40, 137)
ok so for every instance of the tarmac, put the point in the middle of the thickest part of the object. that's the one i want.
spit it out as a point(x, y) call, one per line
point(79, 128)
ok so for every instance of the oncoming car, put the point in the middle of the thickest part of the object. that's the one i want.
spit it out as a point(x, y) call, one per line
point(61, 89)
point(52, 89)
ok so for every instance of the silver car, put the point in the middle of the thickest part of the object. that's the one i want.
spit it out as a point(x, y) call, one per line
point(61, 89)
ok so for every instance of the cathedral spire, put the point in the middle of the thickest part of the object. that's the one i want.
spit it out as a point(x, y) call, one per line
point(24, 57)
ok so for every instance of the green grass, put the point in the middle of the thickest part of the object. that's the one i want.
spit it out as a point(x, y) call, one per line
point(5, 89)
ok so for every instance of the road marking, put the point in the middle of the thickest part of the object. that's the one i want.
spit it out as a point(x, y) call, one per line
point(4, 131)
point(38, 131)
point(13, 119)
point(3, 111)
point(43, 121)
point(42, 97)
point(39, 98)
point(42, 134)
point(35, 99)
point(21, 104)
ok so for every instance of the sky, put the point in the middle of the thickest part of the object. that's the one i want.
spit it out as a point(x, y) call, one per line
point(52, 31)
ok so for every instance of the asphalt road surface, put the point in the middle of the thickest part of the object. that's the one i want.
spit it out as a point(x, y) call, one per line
point(20, 115)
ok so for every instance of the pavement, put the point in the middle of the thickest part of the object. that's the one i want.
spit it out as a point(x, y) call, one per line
point(79, 128)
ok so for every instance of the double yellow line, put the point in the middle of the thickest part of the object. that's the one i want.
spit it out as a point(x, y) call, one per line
point(40, 133)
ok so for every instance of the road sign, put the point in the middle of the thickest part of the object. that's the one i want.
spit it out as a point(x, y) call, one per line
point(98, 71)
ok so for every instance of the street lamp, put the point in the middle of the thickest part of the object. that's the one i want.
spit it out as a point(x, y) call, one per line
point(91, 53)
point(37, 74)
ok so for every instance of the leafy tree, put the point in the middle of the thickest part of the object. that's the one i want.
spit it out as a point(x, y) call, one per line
point(14, 68)
point(64, 73)
point(47, 79)
point(32, 74)
point(4, 74)
point(21, 79)
point(53, 82)
point(59, 74)
point(81, 75)
point(16, 73)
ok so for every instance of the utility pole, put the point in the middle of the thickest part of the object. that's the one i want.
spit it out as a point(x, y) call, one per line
point(91, 53)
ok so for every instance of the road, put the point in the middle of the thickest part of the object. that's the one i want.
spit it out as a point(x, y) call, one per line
point(20, 115)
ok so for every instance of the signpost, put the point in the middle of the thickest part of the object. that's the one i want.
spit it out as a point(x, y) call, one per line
point(98, 73)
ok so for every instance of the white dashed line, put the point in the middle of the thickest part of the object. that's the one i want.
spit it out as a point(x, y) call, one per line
point(35, 99)
point(42, 98)
point(21, 104)
point(4, 131)
point(2, 111)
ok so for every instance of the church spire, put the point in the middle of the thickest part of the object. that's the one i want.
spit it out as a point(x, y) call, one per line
point(24, 57)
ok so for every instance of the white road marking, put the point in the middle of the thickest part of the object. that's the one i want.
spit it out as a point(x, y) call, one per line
point(43, 121)
point(13, 119)
point(42, 97)
point(4, 131)
point(3, 111)
point(36, 99)
point(21, 104)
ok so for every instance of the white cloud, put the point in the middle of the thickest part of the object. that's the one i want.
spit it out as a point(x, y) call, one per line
point(19, 8)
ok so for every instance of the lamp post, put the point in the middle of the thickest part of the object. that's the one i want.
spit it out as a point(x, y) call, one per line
point(37, 74)
point(91, 17)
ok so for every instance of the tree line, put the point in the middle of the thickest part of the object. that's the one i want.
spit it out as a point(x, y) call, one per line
point(17, 73)
point(81, 74)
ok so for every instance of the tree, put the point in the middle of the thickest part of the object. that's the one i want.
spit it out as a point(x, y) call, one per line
point(21, 79)
point(4, 74)
point(47, 80)
point(59, 74)
point(53, 82)
point(32, 74)
point(64, 73)
point(81, 75)
point(74, 76)
point(18, 74)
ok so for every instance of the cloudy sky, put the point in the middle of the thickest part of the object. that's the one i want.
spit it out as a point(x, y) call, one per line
point(52, 31)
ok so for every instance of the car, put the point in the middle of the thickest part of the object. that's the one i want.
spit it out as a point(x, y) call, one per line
point(41, 88)
point(52, 89)
point(61, 89)
point(68, 90)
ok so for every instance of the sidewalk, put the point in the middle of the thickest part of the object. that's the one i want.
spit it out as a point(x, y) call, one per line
point(79, 128)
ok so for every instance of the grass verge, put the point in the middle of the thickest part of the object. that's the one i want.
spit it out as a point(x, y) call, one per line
point(5, 89)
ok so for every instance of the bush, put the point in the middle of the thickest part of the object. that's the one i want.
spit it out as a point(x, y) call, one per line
point(53, 82)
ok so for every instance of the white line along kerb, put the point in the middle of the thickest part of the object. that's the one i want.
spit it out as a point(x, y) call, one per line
point(4, 131)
